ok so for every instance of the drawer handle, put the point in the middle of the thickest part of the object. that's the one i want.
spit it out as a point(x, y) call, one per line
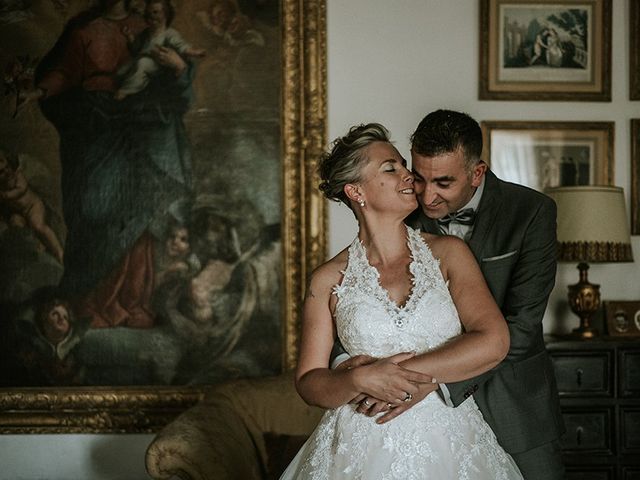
point(579, 431)
point(579, 373)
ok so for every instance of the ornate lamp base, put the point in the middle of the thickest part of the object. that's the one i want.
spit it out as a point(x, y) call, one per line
point(584, 300)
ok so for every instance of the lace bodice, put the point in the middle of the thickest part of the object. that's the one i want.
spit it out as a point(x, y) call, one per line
point(430, 440)
point(369, 322)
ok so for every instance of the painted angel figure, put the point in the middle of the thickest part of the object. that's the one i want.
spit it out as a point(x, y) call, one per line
point(24, 205)
point(225, 20)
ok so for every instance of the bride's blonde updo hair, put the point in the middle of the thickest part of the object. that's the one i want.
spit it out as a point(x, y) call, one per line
point(343, 164)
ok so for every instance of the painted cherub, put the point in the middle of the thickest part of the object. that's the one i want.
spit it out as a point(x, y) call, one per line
point(225, 20)
point(26, 206)
point(176, 257)
point(47, 348)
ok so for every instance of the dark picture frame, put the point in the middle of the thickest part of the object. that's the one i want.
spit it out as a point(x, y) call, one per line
point(546, 50)
point(622, 318)
point(550, 154)
point(634, 50)
point(301, 34)
point(635, 176)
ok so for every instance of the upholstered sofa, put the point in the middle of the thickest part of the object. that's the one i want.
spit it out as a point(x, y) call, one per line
point(244, 429)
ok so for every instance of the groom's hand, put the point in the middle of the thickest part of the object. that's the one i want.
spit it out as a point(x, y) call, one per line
point(424, 389)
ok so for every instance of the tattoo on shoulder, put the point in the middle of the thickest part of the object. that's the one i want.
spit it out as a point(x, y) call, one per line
point(309, 292)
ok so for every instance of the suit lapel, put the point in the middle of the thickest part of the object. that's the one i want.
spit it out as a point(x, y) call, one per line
point(487, 214)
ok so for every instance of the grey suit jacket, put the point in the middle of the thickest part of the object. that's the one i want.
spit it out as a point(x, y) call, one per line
point(514, 241)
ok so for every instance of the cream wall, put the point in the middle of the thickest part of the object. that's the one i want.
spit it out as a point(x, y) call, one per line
point(392, 62)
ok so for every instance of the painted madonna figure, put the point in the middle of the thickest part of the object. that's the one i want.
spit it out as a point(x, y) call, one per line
point(415, 309)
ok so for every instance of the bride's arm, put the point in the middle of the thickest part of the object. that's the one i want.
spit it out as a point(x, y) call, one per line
point(485, 341)
point(319, 385)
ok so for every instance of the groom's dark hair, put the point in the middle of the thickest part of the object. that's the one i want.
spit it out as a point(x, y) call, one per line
point(444, 131)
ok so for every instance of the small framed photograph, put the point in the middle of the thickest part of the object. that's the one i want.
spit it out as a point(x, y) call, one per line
point(634, 50)
point(541, 155)
point(545, 50)
point(622, 318)
point(635, 176)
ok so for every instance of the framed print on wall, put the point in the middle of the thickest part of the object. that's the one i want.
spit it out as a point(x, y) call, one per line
point(545, 50)
point(159, 211)
point(635, 176)
point(634, 50)
point(550, 154)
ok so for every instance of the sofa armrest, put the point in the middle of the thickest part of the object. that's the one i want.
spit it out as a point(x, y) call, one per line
point(225, 436)
point(209, 441)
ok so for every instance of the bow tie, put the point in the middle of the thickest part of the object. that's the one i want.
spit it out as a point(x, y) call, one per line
point(466, 216)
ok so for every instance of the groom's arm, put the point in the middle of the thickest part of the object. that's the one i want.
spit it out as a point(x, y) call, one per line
point(525, 299)
point(524, 303)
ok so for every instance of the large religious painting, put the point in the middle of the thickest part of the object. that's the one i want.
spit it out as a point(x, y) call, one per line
point(158, 213)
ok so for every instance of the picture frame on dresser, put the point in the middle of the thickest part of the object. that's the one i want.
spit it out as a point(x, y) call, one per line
point(622, 318)
point(635, 176)
point(634, 50)
point(545, 50)
point(549, 154)
point(246, 127)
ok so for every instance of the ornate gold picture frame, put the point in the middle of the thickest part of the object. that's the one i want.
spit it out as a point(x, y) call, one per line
point(302, 100)
point(550, 154)
point(545, 50)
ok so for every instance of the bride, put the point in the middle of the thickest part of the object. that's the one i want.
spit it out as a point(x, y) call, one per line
point(419, 304)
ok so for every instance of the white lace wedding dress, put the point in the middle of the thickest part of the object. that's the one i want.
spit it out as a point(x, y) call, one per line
point(428, 441)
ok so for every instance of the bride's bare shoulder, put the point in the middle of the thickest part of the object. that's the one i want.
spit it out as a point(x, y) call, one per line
point(330, 273)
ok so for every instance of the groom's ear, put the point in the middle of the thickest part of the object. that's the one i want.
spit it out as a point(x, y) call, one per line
point(478, 173)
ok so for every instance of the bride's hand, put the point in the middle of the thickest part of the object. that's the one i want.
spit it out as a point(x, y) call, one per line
point(372, 406)
point(353, 362)
point(387, 381)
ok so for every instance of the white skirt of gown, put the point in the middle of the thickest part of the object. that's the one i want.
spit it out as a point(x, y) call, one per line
point(428, 441)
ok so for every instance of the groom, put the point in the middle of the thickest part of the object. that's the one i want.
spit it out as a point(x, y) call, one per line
point(511, 230)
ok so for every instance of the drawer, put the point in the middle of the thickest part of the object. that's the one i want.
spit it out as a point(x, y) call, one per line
point(588, 430)
point(590, 473)
point(584, 374)
point(630, 430)
point(629, 374)
point(631, 473)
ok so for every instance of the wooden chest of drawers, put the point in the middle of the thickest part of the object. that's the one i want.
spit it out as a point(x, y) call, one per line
point(599, 385)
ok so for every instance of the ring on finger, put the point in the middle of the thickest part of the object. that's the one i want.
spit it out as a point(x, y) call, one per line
point(408, 397)
point(366, 402)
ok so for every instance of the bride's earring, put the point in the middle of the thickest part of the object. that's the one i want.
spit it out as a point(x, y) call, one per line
point(361, 202)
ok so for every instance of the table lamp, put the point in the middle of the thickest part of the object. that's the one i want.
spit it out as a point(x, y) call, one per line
point(592, 227)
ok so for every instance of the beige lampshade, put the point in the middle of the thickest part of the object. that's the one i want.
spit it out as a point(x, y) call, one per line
point(592, 224)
